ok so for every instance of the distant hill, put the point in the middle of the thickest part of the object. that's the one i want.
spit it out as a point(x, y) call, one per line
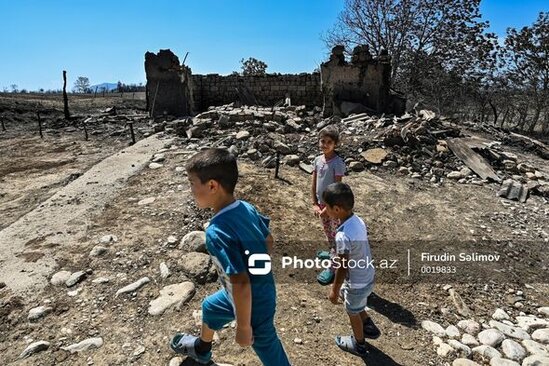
point(107, 86)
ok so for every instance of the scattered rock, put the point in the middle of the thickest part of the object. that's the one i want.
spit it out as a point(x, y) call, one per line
point(138, 352)
point(176, 361)
point(75, 278)
point(34, 348)
point(541, 336)
point(242, 135)
point(374, 156)
point(433, 327)
point(498, 361)
point(196, 265)
point(164, 270)
point(146, 201)
point(172, 295)
point(100, 280)
point(452, 331)
point(133, 286)
point(97, 251)
point(86, 344)
point(469, 326)
point(535, 360)
point(458, 346)
point(39, 312)
point(512, 350)
point(195, 241)
point(445, 350)
point(298, 341)
point(469, 340)
point(500, 314)
point(509, 331)
point(60, 278)
point(544, 311)
point(356, 166)
point(155, 166)
point(460, 305)
point(108, 239)
point(491, 337)
point(535, 348)
point(487, 351)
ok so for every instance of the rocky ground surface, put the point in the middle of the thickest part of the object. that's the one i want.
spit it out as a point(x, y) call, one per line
point(140, 272)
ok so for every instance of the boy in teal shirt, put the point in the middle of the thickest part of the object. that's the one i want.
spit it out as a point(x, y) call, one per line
point(237, 233)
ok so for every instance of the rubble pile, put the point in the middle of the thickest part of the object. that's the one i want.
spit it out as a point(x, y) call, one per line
point(421, 145)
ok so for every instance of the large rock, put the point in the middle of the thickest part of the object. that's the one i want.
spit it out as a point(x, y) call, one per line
point(512, 350)
point(487, 352)
point(535, 348)
point(469, 340)
point(195, 241)
point(197, 266)
point(452, 331)
point(510, 331)
point(374, 156)
point(445, 350)
point(85, 345)
point(434, 328)
point(75, 278)
point(39, 312)
point(60, 278)
point(469, 326)
point(529, 323)
point(460, 347)
point(541, 336)
point(172, 295)
point(34, 348)
point(500, 314)
point(491, 337)
point(535, 360)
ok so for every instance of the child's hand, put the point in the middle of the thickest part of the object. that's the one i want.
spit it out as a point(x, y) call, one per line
point(323, 213)
point(333, 296)
point(244, 336)
point(317, 210)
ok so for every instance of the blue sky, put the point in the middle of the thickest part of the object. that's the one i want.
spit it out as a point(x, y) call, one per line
point(106, 40)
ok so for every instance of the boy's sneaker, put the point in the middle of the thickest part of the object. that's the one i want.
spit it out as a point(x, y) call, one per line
point(349, 344)
point(325, 277)
point(370, 329)
point(184, 344)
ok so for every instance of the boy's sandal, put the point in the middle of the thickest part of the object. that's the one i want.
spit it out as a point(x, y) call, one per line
point(325, 277)
point(184, 344)
point(348, 344)
point(370, 329)
point(323, 254)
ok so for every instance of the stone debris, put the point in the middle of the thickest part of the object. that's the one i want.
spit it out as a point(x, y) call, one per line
point(170, 296)
point(84, 345)
point(195, 241)
point(34, 348)
point(60, 278)
point(133, 286)
point(164, 270)
point(39, 312)
point(75, 278)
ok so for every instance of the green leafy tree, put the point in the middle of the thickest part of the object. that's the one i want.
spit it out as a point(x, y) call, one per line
point(527, 61)
point(253, 67)
point(82, 85)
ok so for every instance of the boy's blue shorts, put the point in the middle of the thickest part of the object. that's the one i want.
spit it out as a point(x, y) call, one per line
point(355, 299)
point(217, 310)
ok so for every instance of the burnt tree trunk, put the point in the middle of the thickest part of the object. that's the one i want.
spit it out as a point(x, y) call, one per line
point(495, 112)
point(65, 98)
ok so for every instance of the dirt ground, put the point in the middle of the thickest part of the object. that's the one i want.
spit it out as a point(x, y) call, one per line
point(402, 214)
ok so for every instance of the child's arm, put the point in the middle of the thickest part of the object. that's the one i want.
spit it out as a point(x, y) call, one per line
point(242, 295)
point(269, 241)
point(316, 207)
point(340, 275)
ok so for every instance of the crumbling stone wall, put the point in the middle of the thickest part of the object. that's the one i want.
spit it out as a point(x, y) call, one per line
point(214, 89)
point(169, 85)
point(359, 86)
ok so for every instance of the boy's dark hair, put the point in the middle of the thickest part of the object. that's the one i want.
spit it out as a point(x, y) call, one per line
point(331, 132)
point(217, 164)
point(339, 194)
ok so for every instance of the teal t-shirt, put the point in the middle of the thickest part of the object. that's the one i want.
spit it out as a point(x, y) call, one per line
point(235, 233)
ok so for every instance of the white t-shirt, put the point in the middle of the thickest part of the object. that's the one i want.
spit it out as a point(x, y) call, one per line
point(352, 239)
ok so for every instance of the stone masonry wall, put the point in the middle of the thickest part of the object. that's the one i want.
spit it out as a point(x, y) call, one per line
point(214, 89)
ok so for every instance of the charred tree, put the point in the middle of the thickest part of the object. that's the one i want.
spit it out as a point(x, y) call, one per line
point(65, 98)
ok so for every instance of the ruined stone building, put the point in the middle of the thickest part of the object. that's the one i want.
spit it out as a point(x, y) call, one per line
point(361, 85)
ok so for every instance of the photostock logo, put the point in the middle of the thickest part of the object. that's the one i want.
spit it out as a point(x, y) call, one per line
point(263, 258)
